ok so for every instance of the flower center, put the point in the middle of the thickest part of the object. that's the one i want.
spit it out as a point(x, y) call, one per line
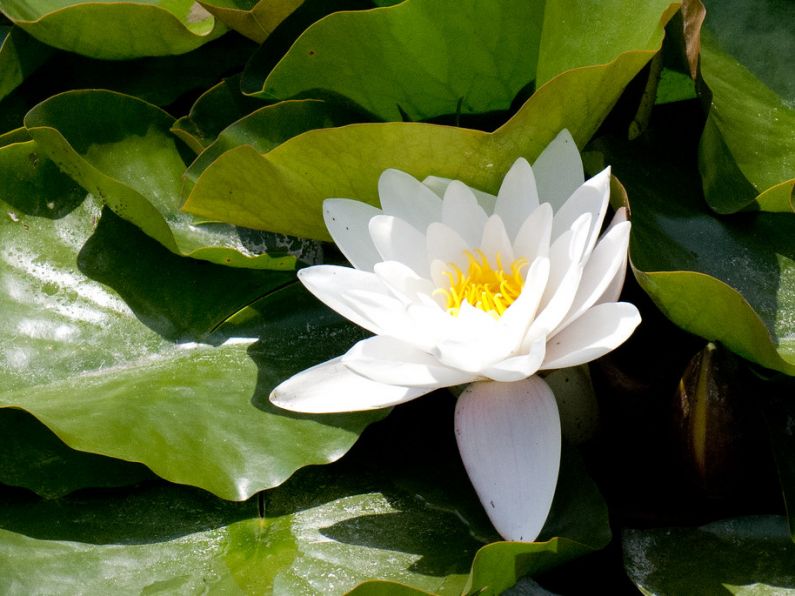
point(491, 290)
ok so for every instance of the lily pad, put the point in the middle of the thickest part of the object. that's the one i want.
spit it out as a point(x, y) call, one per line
point(31, 456)
point(703, 271)
point(398, 508)
point(125, 154)
point(747, 152)
point(254, 19)
point(267, 128)
point(745, 555)
point(145, 382)
point(346, 162)
point(128, 30)
point(20, 55)
point(216, 108)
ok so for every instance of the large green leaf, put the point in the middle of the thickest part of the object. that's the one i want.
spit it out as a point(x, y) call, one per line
point(144, 382)
point(421, 58)
point(346, 162)
point(125, 154)
point(254, 19)
point(31, 456)
point(747, 151)
point(20, 55)
point(399, 507)
point(705, 271)
point(115, 30)
point(745, 555)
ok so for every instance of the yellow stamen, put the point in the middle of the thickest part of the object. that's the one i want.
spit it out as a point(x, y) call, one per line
point(482, 286)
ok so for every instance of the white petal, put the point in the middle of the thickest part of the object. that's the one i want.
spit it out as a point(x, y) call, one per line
point(332, 387)
point(446, 245)
point(388, 360)
point(509, 438)
point(347, 222)
point(405, 284)
point(558, 170)
point(331, 284)
point(555, 309)
point(519, 367)
point(609, 256)
point(396, 240)
point(535, 234)
point(565, 253)
point(405, 197)
point(613, 290)
point(495, 242)
point(439, 187)
point(600, 330)
point(592, 197)
point(461, 212)
point(518, 196)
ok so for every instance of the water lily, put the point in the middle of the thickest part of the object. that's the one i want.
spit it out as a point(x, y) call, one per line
point(459, 286)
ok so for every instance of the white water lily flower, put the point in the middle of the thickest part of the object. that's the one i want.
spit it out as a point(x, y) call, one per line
point(459, 286)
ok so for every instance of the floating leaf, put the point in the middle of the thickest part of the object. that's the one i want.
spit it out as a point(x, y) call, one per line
point(703, 271)
point(144, 382)
point(116, 30)
point(747, 151)
point(745, 555)
point(125, 154)
point(254, 19)
point(346, 162)
point(31, 456)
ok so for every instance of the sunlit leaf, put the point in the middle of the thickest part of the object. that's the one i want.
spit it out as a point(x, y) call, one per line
point(254, 19)
point(20, 55)
point(124, 154)
point(116, 30)
point(283, 190)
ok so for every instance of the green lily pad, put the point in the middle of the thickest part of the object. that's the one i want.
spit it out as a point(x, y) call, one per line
point(745, 555)
point(116, 30)
point(703, 271)
point(346, 162)
point(254, 19)
point(131, 372)
point(747, 152)
point(414, 58)
point(398, 508)
point(267, 128)
point(31, 456)
point(20, 55)
point(216, 108)
point(125, 154)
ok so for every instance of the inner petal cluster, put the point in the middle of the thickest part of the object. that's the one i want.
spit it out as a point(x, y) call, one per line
point(490, 289)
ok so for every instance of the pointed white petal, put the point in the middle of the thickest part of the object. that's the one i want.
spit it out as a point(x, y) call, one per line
point(518, 196)
point(509, 438)
point(439, 187)
point(446, 245)
point(564, 255)
point(330, 284)
point(495, 242)
point(461, 212)
point(332, 387)
point(606, 260)
point(388, 360)
point(555, 309)
point(613, 290)
point(405, 284)
point(405, 197)
point(535, 234)
point(347, 222)
point(396, 240)
point(558, 170)
point(592, 197)
point(600, 330)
